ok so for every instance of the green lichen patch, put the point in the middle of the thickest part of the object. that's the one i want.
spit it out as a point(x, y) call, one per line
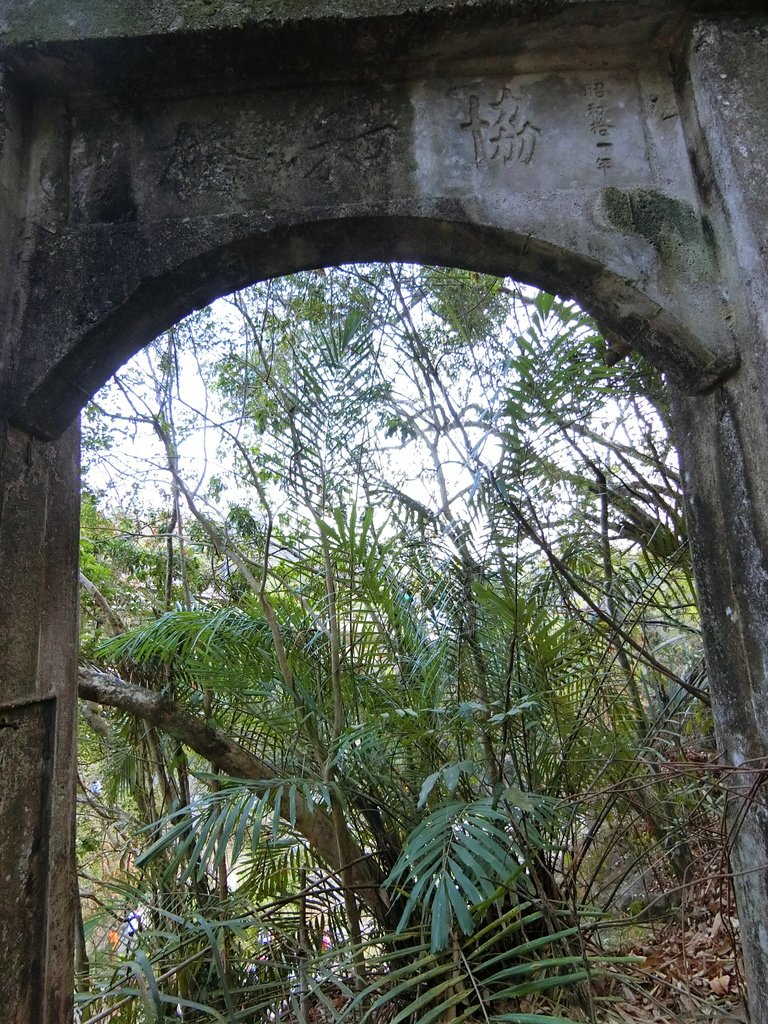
point(672, 227)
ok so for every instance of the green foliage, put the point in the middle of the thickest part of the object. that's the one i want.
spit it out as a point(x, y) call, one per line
point(459, 857)
point(435, 578)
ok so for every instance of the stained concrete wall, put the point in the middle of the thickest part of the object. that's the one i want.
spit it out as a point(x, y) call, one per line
point(155, 155)
point(152, 197)
point(34, 22)
point(39, 529)
point(723, 439)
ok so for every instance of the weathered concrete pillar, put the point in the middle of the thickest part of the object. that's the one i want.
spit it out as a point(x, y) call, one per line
point(39, 511)
point(723, 439)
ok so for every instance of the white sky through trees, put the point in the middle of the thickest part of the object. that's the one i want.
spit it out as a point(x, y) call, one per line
point(131, 471)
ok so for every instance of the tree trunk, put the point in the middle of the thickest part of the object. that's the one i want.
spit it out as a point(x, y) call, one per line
point(232, 759)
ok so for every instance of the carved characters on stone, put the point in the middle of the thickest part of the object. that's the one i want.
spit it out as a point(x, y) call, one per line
point(247, 156)
point(358, 150)
point(600, 125)
point(202, 158)
point(502, 131)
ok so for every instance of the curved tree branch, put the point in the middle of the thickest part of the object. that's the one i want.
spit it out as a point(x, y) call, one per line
point(228, 756)
point(116, 624)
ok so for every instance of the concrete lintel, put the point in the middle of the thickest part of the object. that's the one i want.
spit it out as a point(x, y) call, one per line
point(24, 23)
point(150, 276)
point(77, 45)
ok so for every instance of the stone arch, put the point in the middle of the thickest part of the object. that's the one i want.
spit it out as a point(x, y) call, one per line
point(92, 353)
point(154, 154)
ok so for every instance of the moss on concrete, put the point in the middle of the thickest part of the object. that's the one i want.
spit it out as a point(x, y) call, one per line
point(672, 227)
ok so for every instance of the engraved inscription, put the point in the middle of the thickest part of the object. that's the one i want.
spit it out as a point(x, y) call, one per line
point(501, 130)
point(206, 158)
point(529, 133)
point(600, 126)
point(358, 150)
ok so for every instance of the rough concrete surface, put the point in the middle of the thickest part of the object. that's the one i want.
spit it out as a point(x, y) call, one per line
point(158, 153)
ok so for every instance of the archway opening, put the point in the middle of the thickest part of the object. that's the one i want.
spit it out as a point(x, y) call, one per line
point(418, 720)
point(79, 357)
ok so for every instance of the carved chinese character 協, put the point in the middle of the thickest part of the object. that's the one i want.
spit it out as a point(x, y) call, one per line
point(501, 133)
point(476, 124)
point(513, 135)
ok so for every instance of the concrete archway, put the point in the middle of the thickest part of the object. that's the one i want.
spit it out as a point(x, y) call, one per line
point(51, 395)
point(153, 156)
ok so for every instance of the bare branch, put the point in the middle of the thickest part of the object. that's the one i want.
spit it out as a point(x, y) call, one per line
point(232, 759)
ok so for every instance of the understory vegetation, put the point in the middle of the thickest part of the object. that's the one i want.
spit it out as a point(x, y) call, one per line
point(394, 706)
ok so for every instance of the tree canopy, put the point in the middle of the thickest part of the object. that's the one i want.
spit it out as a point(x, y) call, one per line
point(393, 696)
